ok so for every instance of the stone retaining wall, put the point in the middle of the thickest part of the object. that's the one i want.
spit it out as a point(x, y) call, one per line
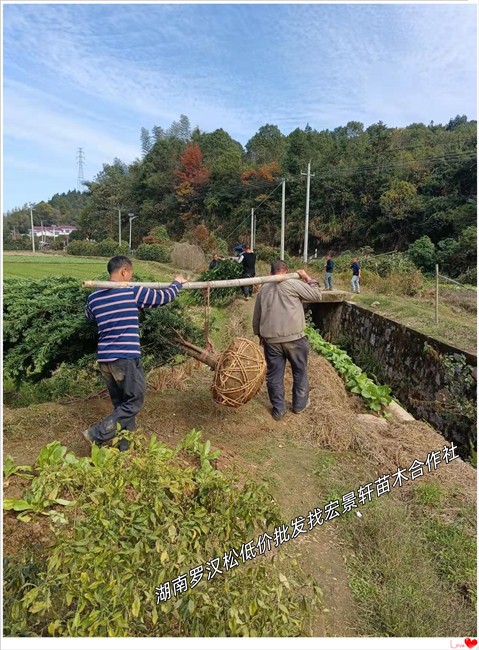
point(410, 362)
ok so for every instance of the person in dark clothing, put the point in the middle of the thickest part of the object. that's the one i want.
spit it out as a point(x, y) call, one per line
point(214, 261)
point(248, 260)
point(356, 268)
point(115, 311)
point(328, 273)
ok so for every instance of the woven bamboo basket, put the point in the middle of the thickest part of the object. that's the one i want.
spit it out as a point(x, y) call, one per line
point(239, 371)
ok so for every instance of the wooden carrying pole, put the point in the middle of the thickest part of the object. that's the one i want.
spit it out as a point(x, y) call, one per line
point(213, 284)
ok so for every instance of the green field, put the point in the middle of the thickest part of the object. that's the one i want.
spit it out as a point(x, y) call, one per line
point(84, 268)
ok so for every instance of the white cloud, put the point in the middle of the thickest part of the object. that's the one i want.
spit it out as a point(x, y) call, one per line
point(31, 118)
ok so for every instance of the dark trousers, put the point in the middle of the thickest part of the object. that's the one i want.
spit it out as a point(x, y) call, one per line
point(276, 354)
point(126, 384)
point(248, 289)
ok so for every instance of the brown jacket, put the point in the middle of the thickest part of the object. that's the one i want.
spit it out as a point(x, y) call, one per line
point(278, 313)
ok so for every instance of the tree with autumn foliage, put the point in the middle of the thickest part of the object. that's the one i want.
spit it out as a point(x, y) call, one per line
point(192, 178)
point(267, 173)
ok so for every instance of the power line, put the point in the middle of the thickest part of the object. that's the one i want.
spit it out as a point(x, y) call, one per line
point(349, 171)
point(248, 217)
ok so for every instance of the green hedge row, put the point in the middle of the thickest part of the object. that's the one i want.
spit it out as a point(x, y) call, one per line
point(105, 248)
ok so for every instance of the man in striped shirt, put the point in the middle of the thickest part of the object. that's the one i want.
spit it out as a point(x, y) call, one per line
point(116, 313)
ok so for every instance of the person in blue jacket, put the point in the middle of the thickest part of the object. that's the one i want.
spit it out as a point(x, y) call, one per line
point(355, 280)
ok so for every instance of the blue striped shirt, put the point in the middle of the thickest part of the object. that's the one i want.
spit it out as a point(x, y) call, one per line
point(116, 313)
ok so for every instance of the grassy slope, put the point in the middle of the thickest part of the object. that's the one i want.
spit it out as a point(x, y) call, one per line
point(411, 557)
point(457, 315)
point(456, 327)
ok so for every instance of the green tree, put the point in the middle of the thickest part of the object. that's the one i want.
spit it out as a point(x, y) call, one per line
point(110, 199)
point(267, 146)
point(399, 204)
point(422, 253)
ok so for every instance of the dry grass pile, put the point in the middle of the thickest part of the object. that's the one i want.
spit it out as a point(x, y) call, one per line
point(188, 256)
point(175, 377)
point(332, 423)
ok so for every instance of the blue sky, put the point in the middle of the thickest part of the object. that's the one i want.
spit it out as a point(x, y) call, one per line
point(91, 76)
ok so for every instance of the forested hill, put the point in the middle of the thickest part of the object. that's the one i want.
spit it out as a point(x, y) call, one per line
point(378, 186)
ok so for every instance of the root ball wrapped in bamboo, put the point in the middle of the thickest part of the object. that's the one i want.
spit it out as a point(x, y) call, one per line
point(239, 373)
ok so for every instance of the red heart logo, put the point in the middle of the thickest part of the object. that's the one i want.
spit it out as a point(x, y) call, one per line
point(470, 642)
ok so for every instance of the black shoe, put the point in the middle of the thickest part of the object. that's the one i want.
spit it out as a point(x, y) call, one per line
point(297, 411)
point(123, 445)
point(278, 416)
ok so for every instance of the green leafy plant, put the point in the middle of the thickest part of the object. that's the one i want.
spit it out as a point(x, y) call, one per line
point(269, 254)
point(375, 396)
point(226, 270)
point(142, 518)
point(10, 469)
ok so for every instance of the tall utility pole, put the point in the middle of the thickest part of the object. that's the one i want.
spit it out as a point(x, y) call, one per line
point(33, 233)
point(80, 160)
point(131, 217)
point(283, 219)
point(252, 229)
point(119, 226)
point(306, 225)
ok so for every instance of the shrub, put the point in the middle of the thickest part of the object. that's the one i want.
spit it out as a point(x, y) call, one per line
point(58, 244)
point(44, 325)
point(200, 236)
point(226, 270)
point(82, 247)
point(386, 264)
point(127, 522)
point(110, 248)
point(24, 244)
point(269, 255)
point(68, 381)
point(456, 257)
point(158, 235)
point(105, 248)
point(422, 253)
point(153, 252)
point(468, 277)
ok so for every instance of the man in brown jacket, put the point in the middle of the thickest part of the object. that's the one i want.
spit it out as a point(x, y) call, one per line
point(279, 322)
